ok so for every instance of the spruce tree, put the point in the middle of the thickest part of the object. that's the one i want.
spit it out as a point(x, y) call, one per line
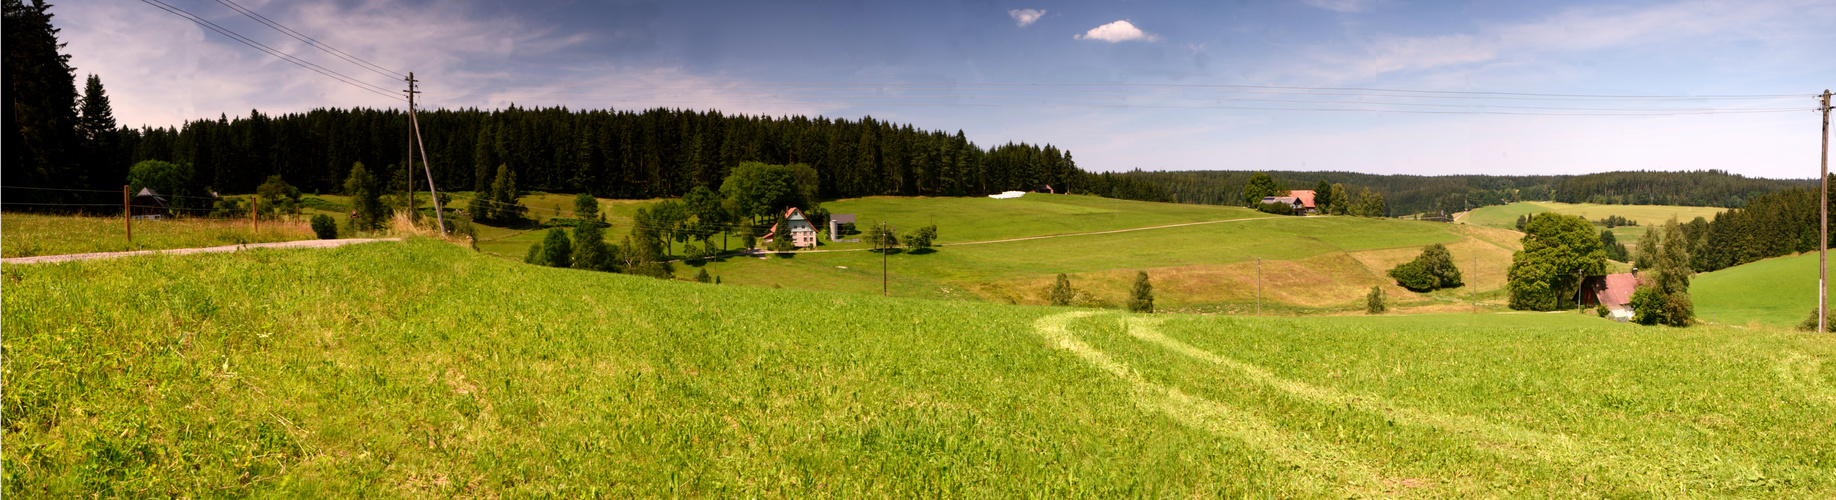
point(366, 201)
point(1141, 296)
point(590, 251)
point(1375, 302)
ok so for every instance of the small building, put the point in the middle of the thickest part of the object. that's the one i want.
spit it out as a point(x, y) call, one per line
point(1290, 200)
point(802, 234)
point(1613, 291)
point(148, 204)
point(1044, 188)
point(1306, 198)
point(835, 225)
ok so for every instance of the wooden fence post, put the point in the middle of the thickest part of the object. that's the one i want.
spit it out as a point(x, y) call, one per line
point(127, 213)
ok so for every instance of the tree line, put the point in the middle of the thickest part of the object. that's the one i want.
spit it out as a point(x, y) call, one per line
point(1439, 195)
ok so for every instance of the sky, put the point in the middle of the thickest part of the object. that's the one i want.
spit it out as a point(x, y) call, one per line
point(1376, 86)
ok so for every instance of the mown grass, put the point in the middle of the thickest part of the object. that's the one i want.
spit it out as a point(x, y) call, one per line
point(1505, 216)
point(26, 235)
point(1777, 292)
point(422, 369)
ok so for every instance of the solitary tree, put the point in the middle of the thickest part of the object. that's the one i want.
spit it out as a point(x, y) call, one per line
point(1259, 187)
point(922, 238)
point(586, 207)
point(1060, 292)
point(556, 251)
point(1374, 302)
point(590, 251)
point(1432, 270)
point(366, 200)
point(1141, 296)
point(1559, 250)
point(1663, 293)
point(883, 237)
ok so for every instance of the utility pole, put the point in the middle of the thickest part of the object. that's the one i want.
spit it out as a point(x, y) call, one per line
point(1823, 226)
point(439, 212)
point(1259, 286)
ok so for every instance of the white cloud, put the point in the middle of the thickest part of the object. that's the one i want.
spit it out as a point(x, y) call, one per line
point(1347, 6)
point(1117, 32)
point(1023, 17)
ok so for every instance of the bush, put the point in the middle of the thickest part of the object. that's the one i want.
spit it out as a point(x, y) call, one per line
point(1432, 270)
point(1412, 276)
point(703, 277)
point(1374, 302)
point(1810, 323)
point(1601, 310)
point(1060, 293)
point(1277, 208)
point(1141, 297)
point(325, 226)
point(557, 250)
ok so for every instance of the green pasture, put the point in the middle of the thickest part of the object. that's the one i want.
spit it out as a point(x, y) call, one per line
point(1777, 292)
point(422, 369)
point(27, 235)
point(1505, 216)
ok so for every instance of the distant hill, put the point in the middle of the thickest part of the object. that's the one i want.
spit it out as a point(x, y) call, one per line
point(1409, 194)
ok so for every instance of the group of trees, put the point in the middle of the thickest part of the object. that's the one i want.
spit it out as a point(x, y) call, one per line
point(55, 137)
point(1612, 221)
point(1415, 194)
point(1560, 251)
point(1140, 294)
point(1771, 225)
point(1328, 198)
point(1663, 292)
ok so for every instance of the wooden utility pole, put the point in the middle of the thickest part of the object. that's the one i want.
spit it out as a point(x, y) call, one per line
point(1823, 226)
point(255, 212)
point(127, 212)
point(432, 192)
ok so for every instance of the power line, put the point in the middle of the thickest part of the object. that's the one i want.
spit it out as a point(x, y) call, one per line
point(271, 51)
point(1295, 101)
point(1368, 91)
point(310, 41)
point(1651, 112)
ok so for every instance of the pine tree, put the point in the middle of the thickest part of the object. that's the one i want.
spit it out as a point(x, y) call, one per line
point(366, 199)
point(1141, 296)
point(590, 252)
point(41, 119)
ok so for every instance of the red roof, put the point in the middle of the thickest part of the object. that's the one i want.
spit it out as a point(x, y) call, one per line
point(1306, 197)
point(1612, 289)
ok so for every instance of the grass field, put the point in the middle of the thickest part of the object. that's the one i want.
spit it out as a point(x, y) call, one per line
point(26, 235)
point(1505, 216)
point(1308, 264)
point(1778, 292)
point(406, 370)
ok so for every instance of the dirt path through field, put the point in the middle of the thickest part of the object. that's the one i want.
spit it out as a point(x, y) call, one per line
point(183, 251)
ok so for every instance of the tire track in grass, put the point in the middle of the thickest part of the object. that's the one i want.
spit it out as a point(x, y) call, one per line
point(1616, 465)
point(1804, 374)
point(1353, 477)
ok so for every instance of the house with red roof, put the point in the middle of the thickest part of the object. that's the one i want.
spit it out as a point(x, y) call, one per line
point(1613, 291)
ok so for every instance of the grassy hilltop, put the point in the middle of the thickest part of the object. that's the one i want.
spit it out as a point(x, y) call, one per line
point(423, 369)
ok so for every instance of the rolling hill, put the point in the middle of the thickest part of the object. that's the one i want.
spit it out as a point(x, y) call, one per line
point(423, 369)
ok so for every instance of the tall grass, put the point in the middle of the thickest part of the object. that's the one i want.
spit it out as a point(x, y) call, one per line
point(419, 369)
point(26, 235)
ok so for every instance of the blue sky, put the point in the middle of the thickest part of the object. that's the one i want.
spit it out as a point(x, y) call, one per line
point(1122, 85)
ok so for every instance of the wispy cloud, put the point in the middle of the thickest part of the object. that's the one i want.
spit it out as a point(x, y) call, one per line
point(1347, 6)
point(1118, 32)
point(1024, 17)
point(1553, 40)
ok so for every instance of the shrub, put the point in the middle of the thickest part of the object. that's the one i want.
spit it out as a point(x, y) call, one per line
point(1141, 297)
point(1412, 276)
point(703, 277)
point(325, 226)
point(1374, 301)
point(557, 251)
point(1432, 270)
point(1810, 323)
point(1277, 208)
point(1600, 310)
point(1060, 292)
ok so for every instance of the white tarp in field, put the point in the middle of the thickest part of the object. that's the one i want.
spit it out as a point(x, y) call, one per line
point(1008, 194)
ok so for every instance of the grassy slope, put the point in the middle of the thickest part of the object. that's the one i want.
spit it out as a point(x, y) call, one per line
point(404, 370)
point(33, 234)
point(1310, 263)
point(1505, 216)
point(1773, 292)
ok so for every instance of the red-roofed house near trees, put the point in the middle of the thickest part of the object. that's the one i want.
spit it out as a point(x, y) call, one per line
point(1613, 291)
point(1306, 200)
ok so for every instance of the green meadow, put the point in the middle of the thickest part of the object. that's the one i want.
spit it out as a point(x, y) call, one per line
point(1776, 292)
point(27, 235)
point(423, 369)
point(1647, 216)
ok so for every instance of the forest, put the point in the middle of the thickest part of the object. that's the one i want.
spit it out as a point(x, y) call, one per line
point(1419, 194)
